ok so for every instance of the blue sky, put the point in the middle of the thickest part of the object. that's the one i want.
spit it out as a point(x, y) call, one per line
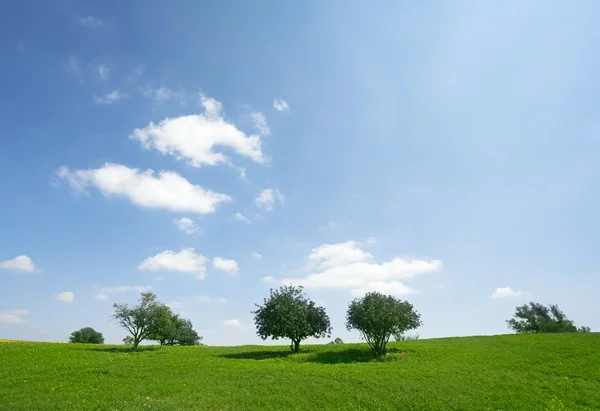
point(446, 153)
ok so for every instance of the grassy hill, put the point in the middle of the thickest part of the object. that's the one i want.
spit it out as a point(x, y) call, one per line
point(511, 372)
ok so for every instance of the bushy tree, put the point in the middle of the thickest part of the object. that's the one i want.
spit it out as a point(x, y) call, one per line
point(338, 341)
point(377, 317)
point(406, 337)
point(537, 318)
point(144, 319)
point(176, 331)
point(86, 335)
point(288, 313)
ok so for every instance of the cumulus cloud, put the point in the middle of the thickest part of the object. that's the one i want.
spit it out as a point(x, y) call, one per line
point(256, 256)
point(280, 105)
point(233, 323)
point(196, 137)
point(19, 263)
point(346, 266)
point(105, 292)
point(267, 198)
point(90, 22)
point(240, 217)
point(65, 297)
point(111, 97)
point(207, 299)
point(13, 316)
point(186, 261)
point(186, 224)
point(260, 123)
point(168, 190)
point(505, 292)
point(269, 279)
point(229, 266)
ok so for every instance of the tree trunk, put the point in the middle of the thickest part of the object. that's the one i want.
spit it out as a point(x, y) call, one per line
point(296, 346)
point(135, 344)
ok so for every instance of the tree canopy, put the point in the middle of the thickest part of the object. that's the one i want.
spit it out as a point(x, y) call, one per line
point(148, 317)
point(176, 331)
point(86, 335)
point(377, 317)
point(537, 318)
point(288, 313)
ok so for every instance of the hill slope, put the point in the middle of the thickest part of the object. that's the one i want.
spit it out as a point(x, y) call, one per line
point(510, 372)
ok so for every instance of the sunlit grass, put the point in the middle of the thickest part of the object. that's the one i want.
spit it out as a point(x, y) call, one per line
point(513, 372)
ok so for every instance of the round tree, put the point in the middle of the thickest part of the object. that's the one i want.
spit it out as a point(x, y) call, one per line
point(377, 317)
point(288, 313)
point(86, 335)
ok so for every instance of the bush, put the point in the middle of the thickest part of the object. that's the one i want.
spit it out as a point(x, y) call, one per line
point(86, 335)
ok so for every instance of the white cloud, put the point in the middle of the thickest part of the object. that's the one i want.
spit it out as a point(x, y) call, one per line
point(161, 94)
point(186, 261)
point(19, 263)
point(195, 137)
point(206, 299)
point(90, 22)
point(505, 292)
point(167, 191)
point(103, 73)
point(256, 256)
point(260, 123)
point(13, 316)
point(267, 197)
point(111, 97)
point(345, 266)
point(65, 297)
point(371, 240)
point(107, 291)
point(185, 224)
point(269, 279)
point(240, 217)
point(229, 266)
point(233, 323)
point(280, 105)
point(333, 255)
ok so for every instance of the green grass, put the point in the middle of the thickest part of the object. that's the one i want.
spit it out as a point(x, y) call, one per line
point(511, 372)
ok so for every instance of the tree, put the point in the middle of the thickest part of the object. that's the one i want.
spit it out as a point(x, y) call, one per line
point(405, 337)
point(144, 319)
point(338, 341)
point(176, 331)
point(537, 318)
point(288, 313)
point(128, 340)
point(377, 317)
point(86, 335)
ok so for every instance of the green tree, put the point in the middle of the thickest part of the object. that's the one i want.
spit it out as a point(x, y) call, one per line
point(288, 313)
point(377, 317)
point(144, 319)
point(338, 341)
point(86, 335)
point(537, 318)
point(176, 331)
point(405, 337)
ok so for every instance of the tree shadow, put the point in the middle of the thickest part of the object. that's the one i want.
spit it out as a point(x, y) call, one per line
point(257, 355)
point(123, 349)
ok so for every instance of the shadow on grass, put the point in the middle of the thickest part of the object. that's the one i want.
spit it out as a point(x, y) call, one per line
point(122, 349)
point(348, 356)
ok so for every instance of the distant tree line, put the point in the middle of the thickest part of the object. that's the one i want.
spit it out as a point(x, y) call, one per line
point(288, 313)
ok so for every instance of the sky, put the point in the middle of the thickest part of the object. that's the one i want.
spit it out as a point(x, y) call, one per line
point(445, 153)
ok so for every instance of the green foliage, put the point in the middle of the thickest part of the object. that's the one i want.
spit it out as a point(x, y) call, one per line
point(128, 340)
point(288, 313)
point(378, 316)
point(537, 318)
point(176, 331)
point(508, 372)
point(143, 320)
point(86, 335)
point(405, 337)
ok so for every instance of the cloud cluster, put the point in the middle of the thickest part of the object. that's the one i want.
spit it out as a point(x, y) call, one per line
point(19, 263)
point(65, 297)
point(505, 292)
point(346, 266)
point(228, 266)
point(13, 316)
point(280, 105)
point(196, 138)
point(185, 261)
point(206, 299)
point(111, 97)
point(267, 198)
point(168, 190)
point(186, 224)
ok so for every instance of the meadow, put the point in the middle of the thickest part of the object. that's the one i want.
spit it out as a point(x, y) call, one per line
point(508, 372)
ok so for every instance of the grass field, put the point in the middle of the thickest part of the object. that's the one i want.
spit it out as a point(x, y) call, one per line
point(512, 372)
